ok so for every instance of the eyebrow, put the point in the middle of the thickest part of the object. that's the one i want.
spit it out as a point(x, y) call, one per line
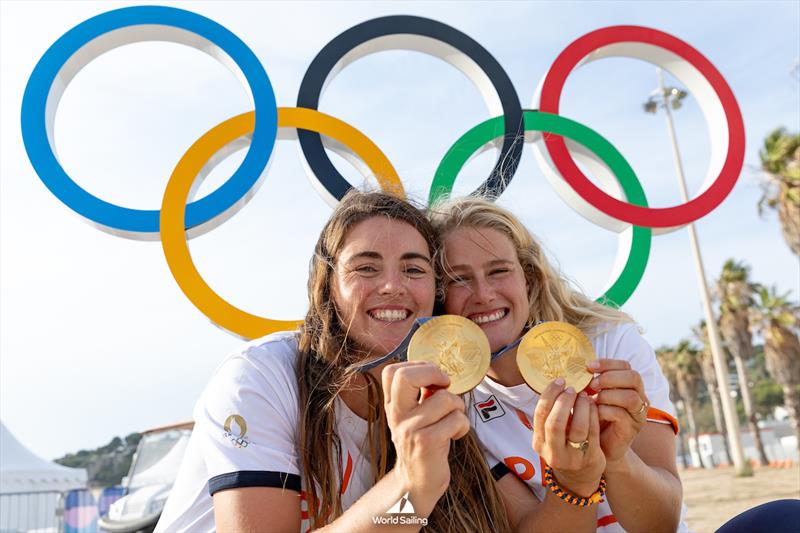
point(489, 264)
point(375, 255)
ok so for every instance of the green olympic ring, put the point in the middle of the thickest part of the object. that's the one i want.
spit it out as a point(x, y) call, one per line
point(490, 130)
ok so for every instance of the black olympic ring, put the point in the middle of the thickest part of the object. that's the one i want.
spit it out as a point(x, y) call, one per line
point(336, 52)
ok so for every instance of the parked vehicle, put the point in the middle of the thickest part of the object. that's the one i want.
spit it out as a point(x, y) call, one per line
point(149, 482)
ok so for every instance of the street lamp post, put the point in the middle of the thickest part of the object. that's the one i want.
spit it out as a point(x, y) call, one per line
point(669, 98)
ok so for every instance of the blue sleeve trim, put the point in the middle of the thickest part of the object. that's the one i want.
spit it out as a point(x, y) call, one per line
point(253, 478)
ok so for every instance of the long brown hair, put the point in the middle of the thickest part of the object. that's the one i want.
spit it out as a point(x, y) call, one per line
point(325, 368)
point(549, 294)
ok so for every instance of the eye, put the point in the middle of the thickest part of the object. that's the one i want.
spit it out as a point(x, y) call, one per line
point(366, 269)
point(499, 271)
point(415, 271)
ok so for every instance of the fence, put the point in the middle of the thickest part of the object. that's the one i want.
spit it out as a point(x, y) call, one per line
point(24, 511)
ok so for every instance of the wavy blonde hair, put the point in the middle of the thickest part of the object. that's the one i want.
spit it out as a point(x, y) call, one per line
point(326, 367)
point(549, 293)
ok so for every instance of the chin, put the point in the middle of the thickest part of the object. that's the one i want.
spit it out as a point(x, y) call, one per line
point(497, 342)
point(378, 347)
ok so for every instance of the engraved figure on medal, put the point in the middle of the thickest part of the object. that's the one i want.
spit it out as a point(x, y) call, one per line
point(454, 354)
point(556, 356)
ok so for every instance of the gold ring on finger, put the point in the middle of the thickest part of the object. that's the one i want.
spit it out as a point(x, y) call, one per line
point(643, 408)
point(582, 446)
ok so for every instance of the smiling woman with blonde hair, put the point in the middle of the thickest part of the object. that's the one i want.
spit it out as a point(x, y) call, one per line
point(599, 459)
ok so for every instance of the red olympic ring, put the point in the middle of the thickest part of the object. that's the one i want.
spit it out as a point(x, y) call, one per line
point(650, 217)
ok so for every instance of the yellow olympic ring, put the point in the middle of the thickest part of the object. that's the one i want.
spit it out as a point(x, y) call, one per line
point(173, 207)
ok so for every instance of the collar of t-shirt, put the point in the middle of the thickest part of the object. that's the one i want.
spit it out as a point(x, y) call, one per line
point(521, 396)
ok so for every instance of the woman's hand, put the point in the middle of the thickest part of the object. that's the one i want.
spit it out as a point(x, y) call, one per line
point(422, 429)
point(569, 444)
point(622, 405)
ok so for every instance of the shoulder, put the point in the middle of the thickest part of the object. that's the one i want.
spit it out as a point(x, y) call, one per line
point(262, 370)
point(619, 341)
point(625, 341)
point(271, 358)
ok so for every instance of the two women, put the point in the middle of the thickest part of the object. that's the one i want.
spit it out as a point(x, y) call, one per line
point(289, 435)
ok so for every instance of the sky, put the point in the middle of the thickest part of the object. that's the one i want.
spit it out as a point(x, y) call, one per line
point(97, 339)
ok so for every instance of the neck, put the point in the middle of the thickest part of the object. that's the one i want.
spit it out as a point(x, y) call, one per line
point(356, 396)
point(504, 370)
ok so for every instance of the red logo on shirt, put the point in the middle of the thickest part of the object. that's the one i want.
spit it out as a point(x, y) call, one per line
point(489, 409)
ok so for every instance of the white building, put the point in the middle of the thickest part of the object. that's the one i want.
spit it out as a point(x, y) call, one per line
point(780, 445)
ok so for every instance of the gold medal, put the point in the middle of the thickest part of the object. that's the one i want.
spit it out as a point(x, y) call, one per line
point(552, 350)
point(456, 345)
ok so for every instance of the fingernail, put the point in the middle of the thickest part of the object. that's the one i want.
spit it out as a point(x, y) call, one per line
point(583, 394)
point(560, 382)
point(595, 384)
point(570, 390)
point(594, 365)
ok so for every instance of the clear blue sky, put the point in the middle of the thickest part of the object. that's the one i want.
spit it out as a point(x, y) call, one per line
point(97, 340)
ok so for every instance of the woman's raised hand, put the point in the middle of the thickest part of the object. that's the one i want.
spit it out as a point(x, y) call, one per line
point(566, 434)
point(422, 430)
point(622, 405)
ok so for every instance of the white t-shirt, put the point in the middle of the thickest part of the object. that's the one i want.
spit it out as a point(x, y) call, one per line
point(503, 416)
point(246, 435)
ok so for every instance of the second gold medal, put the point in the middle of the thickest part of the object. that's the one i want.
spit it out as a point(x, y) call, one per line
point(552, 350)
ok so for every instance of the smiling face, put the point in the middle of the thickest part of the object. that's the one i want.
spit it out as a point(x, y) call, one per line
point(382, 280)
point(485, 282)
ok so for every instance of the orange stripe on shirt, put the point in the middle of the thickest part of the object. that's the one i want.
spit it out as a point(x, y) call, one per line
point(347, 472)
point(523, 419)
point(657, 415)
point(542, 466)
point(606, 520)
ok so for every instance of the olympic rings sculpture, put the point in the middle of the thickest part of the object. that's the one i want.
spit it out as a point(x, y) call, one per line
point(625, 210)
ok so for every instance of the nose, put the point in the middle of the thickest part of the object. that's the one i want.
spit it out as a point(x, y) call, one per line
point(483, 291)
point(392, 283)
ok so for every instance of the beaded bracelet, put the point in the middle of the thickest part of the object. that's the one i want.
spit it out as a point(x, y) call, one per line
point(574, 499)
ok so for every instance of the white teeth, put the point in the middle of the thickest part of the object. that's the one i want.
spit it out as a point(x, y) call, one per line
point(389, 315)
point(485, 319)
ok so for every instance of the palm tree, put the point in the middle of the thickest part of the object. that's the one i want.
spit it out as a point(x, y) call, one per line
point(710, 376)
point(735, 293)
point(681, 367)
point(666, 359)
point(778, 320)
point(780, 162)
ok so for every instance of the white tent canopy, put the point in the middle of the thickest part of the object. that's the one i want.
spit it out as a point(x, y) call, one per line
point(23, 471)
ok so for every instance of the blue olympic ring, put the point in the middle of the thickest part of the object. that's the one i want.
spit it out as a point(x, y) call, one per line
point(38, 111)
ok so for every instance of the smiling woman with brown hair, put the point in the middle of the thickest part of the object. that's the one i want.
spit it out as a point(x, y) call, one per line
point(290, 436)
